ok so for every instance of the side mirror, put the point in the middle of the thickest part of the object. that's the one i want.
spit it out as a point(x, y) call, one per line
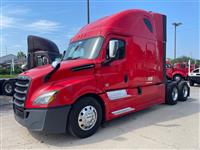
point(56, 63)
point(113, 47)
point(24, 67)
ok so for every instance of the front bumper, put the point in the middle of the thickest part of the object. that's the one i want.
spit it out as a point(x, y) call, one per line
point(50, 120)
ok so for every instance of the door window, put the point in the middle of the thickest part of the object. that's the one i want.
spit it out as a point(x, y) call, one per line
point(120, 51)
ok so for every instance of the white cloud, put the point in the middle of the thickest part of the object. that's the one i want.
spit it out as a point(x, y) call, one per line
point(19, 18)
point(43, 26)
point(6, 22)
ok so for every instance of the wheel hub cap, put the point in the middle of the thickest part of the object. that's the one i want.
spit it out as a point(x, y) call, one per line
point(87, 117)
point(177, 78)
point(8, 88)
point(174, 94)
point(185, 91)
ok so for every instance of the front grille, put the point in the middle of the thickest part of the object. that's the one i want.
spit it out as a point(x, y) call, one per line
point(21, 90)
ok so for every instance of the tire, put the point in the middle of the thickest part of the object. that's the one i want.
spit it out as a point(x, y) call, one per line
point(183, 91)
point(191, 83)
point(77, 125)
point(177, 77)
point(172, 94)
point(8, 88)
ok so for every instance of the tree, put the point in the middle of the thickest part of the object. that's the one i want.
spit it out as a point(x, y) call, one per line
point(20, 55)
point(185, 59)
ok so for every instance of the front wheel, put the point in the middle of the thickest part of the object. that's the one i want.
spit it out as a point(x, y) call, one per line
point(8, 88)
point(177, 77)
point(85, 117)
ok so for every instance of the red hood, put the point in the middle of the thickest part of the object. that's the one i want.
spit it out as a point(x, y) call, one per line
point(69, 71)
point(64, 67)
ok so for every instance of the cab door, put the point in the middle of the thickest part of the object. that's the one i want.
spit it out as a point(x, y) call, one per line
point(115, 72)
point(114, 75)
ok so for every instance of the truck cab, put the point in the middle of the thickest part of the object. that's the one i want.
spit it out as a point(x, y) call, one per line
point(41, 52)
point(178, 71)
point(112, 67)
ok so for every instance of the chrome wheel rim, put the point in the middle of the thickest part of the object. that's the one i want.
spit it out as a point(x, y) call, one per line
point(174, 94)
point(87, 118)
point(8, 88)
point(177, 78)
point(185, 91)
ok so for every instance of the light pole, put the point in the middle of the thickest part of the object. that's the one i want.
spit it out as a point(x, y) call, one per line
point(88, 11)
point(175, 24)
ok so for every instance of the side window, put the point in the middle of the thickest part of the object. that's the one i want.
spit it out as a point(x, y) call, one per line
point(168, 66)
point(120, 51)
point(148, 24)
point(183, 66)
point(196, 71)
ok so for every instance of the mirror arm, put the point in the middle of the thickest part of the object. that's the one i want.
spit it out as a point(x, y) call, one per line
point(48, 76)
point(63, 55)
point(107, 62)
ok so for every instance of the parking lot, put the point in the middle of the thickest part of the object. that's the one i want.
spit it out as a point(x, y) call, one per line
point(161, 126)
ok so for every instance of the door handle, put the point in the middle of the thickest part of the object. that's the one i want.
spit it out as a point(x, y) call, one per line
point(126, 78)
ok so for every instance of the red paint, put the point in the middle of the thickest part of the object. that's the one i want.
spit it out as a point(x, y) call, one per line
point(143, 65)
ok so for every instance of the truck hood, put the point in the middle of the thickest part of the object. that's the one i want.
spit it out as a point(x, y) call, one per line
point(67, 68)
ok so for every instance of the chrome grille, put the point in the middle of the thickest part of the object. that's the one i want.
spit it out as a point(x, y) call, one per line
point(21, 90)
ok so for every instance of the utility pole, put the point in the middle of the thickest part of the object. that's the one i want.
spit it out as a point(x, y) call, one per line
point(175, 25)
point(88, 11)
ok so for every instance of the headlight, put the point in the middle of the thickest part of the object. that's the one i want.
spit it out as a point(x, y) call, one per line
point(45, 98)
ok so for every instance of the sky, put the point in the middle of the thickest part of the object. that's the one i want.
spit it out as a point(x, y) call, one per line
point(59, 20)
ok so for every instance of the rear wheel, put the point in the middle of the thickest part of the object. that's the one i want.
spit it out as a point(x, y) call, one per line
point(172, 94)
point(183, 91)
point(85, 117)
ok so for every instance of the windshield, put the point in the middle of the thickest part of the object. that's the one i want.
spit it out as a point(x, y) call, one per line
point(88, 48)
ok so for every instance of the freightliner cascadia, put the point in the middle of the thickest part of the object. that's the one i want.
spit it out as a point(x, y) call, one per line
point(112, 67)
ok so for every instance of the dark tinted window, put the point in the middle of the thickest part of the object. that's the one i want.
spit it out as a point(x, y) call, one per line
point(196, 71)
point(120, 52)
point(148, 24)
point(168, 66)
point(183, 66)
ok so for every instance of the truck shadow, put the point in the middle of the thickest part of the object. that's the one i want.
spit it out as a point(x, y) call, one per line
point(115, 129)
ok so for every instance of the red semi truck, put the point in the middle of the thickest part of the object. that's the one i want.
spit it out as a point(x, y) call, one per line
point(112, 67)
point(178, 71)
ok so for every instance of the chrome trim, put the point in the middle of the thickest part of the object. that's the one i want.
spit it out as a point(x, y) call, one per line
point(19, 105)
point(21, 92)
point(21, 85)
point(117, 94)
point(124, 110)
point(19, 98)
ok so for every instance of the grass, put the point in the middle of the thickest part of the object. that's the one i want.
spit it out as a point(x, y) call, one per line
point(7, 75)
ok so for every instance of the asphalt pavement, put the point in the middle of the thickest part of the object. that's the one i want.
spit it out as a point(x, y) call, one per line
point(161, 126)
